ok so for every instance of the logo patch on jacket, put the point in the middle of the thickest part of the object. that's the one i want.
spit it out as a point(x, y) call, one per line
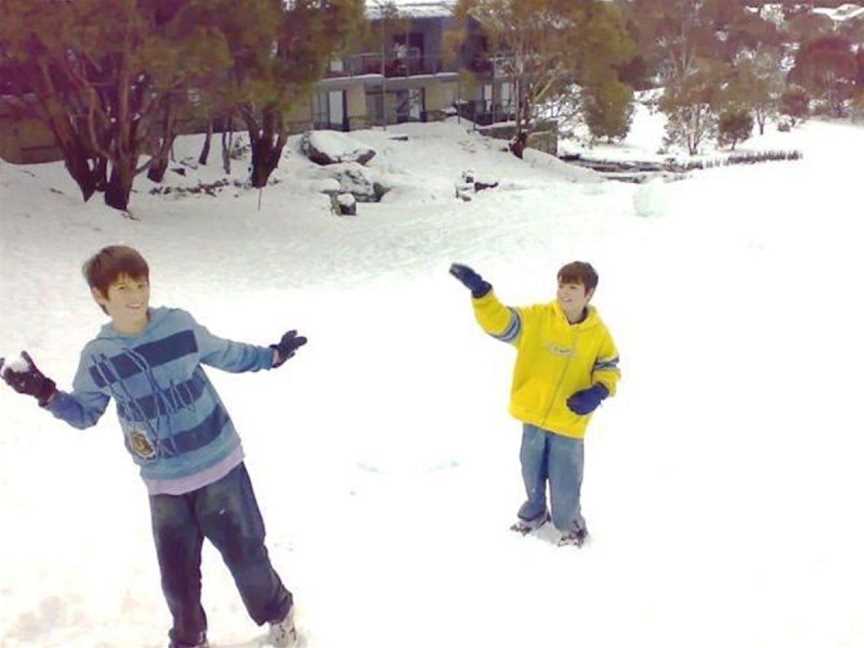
point(559, 350)
point(141, 445)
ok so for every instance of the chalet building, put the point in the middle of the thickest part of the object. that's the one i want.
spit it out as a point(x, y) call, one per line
point(412, 78)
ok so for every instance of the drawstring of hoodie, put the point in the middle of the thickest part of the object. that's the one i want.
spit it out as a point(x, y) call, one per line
point(187, 397)
point(179, 400)
point(126, 397)
point(161, 402)
point(166, 402)
point(170, 400)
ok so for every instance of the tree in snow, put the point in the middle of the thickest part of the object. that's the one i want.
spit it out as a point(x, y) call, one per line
point(691, 104)
point(112, 78)
point(608, 109)
point(807, 26)
point(828, 69)
point(278, 51)
point(109, 78)
point(795, 104)
point(756, 84)
point(677, 34)
point(547, 47)
point(733, 126)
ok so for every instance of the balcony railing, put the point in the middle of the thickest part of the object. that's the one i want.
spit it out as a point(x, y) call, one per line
point(483, 112)
point(389, 65)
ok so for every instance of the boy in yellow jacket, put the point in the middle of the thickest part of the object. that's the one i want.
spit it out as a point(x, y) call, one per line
point(566, 364)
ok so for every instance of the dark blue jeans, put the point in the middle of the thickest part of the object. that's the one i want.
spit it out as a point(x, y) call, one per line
point(226, 513)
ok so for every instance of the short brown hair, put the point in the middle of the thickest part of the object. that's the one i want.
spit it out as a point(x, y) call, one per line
point(104, 267)
point(579, 272)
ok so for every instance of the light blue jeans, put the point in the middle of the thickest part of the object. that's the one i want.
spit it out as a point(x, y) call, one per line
point(560, 460)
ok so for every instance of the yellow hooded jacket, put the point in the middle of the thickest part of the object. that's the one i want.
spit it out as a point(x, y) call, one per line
point(554, 359)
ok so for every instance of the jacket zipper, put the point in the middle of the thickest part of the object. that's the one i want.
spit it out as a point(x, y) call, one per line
point(555, 393)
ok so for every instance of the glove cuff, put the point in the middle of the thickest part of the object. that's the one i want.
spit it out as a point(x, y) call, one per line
point(46, 392)
point(280, 359)
point(481, 290)
point(601, 390)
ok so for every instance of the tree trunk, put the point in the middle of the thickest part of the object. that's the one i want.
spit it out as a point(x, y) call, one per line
point(158, 167)
point(77, 155)
point(227, 140)
point(267, 144)
point(517, 146)
point(159, 162)
point(523, 111)
point(205, 151)
point(120, 183)
point(78, 165)
point(265, 159)
point(101, 174)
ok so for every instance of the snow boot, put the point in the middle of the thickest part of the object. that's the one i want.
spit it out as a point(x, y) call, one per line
point(283, 634)
point(527, 526)
point(576, 538)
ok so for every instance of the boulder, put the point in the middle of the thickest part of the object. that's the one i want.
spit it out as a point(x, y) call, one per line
point(469, 183)
point(356, 179)
point(332, 147)
point(347, 204)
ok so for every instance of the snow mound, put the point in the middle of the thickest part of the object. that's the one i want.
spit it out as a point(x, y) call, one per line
point(649, 201)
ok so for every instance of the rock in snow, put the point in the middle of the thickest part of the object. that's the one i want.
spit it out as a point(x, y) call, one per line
point(332, 147)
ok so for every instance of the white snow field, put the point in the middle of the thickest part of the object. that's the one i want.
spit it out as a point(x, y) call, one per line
point(723, 483)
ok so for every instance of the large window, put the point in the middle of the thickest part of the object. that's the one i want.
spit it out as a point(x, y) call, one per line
point(375, 107)
point(410, 104)
point(329, 110)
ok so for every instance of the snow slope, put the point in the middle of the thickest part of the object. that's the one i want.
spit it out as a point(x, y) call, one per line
point(722, 484)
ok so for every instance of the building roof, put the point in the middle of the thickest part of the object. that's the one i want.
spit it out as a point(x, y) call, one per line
point(413, 8)
point(841, 13)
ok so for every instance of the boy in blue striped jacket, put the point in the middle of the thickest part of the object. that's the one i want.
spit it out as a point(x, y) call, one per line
point(178, 432)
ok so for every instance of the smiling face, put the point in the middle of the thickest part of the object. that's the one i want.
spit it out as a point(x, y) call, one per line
point(126, 301)
point(573, 299)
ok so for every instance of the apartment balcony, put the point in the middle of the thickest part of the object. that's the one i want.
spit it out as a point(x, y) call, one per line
point(484, 112)
point(481, 65)
point(389, 66)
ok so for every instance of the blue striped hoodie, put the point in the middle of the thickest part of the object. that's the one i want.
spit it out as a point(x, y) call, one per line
point(174, 423)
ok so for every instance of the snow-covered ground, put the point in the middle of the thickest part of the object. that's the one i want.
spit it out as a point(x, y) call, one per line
point(723, 483)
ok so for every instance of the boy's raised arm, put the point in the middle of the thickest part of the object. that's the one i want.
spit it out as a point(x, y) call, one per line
point(500, 321)
point(471, 280)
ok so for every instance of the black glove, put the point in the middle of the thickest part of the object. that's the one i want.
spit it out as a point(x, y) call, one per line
point(289, 343)
point(31, 381)
point(586, 401)
point(471, 280)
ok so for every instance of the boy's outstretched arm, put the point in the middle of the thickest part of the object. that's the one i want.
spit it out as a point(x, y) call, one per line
point(81, 409)
point(500, 321)
point(237, 357)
